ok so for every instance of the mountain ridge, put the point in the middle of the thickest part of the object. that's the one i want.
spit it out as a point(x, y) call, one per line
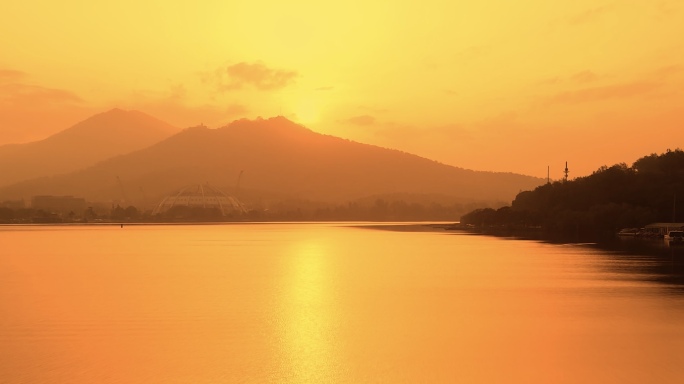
point(97, 138)
point(279, 156)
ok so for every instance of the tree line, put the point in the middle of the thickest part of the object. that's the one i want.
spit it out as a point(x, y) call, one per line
point(371, 209)
point(598, 205)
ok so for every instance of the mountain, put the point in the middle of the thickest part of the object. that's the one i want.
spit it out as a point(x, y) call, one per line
point(95, 139)
point(276, 156)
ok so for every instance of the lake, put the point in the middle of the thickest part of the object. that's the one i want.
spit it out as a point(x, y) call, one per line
point(331, 303)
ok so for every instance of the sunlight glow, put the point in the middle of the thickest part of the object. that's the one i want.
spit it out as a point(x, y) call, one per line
point(307, 110)
point(308, 319)
point(422, 72)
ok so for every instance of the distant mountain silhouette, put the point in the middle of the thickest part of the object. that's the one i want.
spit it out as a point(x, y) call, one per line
point(95, 139)
point(277, 156)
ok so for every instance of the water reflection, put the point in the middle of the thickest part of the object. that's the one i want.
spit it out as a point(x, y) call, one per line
point(308, 317)
point(293, 303)
point(647, 260)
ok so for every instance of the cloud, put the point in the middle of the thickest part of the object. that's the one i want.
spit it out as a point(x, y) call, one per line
point(506, 122)
point(361, 120)
point(549, 81)
point(257, 75)
point(669, 71)
point(16, 91)
point(173, 106)
point(584, 77)
point(329, 88)
point(452, 132)
point(409, 133)
point(617, 91)
point(23, 94)
point(31, 112)
point(590, 15)
point(667, 8)
point(185, 115)
point(10, 75)
point(473, 52)
point(375, 110)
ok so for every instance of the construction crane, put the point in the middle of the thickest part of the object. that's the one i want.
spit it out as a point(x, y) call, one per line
point(123, 194)
point(144, 196)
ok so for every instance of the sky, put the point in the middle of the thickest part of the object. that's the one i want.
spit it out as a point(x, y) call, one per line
point(495, 85)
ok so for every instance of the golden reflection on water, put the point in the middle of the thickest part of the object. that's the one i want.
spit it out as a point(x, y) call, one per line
point(307, 313)
point(295, 303)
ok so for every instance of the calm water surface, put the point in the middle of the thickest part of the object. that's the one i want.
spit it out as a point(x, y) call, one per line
point(330, 303)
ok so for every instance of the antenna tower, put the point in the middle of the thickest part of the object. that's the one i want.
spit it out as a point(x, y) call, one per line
point(237, 184)
point(565, 178)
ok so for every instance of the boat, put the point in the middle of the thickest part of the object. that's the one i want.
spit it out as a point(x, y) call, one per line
point(628, 232)
point(673, 238)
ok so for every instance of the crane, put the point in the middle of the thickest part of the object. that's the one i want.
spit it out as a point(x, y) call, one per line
point(144, 196)
point(123, 194)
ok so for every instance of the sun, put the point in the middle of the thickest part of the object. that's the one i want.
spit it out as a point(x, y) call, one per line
point(307, 110)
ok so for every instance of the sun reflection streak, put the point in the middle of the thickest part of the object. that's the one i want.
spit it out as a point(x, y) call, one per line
point(309, 315)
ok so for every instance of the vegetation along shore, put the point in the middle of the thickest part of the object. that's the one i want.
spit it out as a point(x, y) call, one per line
point(595, 207)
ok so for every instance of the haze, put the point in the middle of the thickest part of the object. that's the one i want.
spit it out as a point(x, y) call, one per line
point(488, 85)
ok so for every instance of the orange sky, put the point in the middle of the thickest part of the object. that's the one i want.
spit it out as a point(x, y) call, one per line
point(488, 85)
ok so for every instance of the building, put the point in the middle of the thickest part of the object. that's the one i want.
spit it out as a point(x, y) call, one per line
point(62, 205)
point(13, 204)
point(663, 228)
point(200, 199)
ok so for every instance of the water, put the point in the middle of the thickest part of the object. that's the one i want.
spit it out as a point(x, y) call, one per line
point(330, 303)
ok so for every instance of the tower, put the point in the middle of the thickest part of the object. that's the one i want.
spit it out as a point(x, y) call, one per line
point(565, 178)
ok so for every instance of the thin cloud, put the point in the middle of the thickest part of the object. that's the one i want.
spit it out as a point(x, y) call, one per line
point(473, 52)
point(324, 89)
point(410, 133)
point(584, 77)
point(373, 109)
point(26, 93)
point(590, 15)
point(549, 81)
point(256, 75)
point(667, 8)
point(16, 90)
point(31, 112)
point(362, 120)
point(453, 132)
point(617, 91)
point(173, 106)
point(7, 75)
point(506, 121)
point(669, 71)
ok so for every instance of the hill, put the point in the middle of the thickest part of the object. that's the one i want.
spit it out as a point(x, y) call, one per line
point(598, 205)
point(95, 139)
point(279, 157)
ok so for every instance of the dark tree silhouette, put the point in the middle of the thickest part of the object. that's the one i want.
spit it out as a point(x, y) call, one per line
point(598, 205)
